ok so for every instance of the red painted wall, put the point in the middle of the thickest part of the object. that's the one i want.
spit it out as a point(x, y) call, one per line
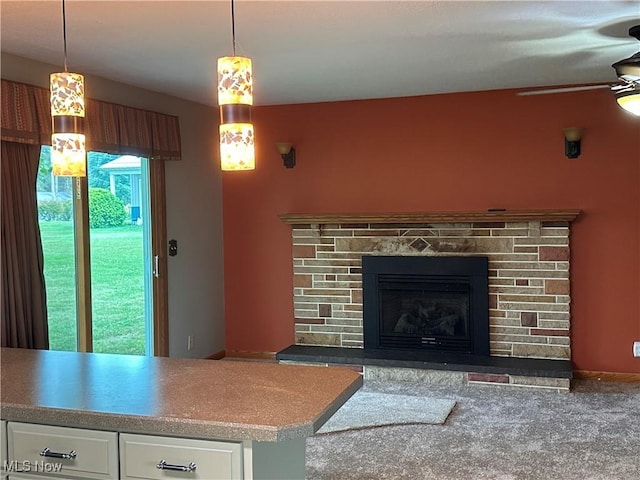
point(456, 152)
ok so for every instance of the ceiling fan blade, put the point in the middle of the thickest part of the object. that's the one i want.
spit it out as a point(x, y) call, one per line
point(564, 89)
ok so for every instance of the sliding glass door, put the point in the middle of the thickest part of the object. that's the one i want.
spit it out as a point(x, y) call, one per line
point(98, 242)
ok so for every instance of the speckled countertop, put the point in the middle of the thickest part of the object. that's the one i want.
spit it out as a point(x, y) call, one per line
point(171, 396)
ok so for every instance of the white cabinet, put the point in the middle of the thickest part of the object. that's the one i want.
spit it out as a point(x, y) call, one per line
point(62, 452)
point(100, 455)
point(155, 457)
point(3, 447)
point(24, 476)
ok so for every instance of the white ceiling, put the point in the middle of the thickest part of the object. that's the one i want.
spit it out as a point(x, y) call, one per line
point(312, 51)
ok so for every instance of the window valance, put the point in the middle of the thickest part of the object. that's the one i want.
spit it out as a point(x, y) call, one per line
point(109, 127)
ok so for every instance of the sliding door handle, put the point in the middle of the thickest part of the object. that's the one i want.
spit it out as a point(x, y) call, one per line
point(156, 266)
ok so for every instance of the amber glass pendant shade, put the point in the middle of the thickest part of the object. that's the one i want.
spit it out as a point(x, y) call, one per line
point(68, 152)
point(235, 82)
point(235, 97)
point(68, 155)
point(67, 94)
point(237, 151)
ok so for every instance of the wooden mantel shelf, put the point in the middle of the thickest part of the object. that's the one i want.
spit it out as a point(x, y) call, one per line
point(497, 215)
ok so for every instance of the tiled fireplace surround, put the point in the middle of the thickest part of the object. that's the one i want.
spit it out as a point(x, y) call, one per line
point(529, 291)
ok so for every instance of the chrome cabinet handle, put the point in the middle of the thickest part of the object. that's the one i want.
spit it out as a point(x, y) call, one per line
point(162, 465)
point(46, 452)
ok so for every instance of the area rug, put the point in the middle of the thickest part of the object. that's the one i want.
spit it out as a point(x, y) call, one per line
point(372, 409)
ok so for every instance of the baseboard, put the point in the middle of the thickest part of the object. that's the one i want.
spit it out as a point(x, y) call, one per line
point(607, 376)
point(252, 355)
point(216, 356)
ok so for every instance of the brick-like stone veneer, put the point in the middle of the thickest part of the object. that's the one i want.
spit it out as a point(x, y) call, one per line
point(529, 292)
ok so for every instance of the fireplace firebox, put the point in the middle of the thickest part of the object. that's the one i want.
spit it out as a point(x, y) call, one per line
point(426, 303)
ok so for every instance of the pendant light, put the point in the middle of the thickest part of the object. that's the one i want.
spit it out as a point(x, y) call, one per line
point(235, 98)
point(68, 153)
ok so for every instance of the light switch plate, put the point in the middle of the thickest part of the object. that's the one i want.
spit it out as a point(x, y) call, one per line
point(173, 247)
point(636, 349)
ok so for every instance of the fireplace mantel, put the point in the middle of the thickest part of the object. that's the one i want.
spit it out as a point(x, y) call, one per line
point(492, 215)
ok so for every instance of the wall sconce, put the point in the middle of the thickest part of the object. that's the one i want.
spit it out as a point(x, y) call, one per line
point(288, 154)
point(572, 141)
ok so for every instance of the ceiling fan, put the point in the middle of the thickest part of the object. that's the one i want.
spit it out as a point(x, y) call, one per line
point(627, 91)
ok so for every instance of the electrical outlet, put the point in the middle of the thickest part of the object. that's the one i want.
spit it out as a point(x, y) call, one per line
point(636, 349)
point(189, 342)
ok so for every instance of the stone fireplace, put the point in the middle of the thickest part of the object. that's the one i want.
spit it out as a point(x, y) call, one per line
point(528, 260)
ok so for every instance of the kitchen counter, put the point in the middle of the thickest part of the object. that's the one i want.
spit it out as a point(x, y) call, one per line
point(206, 399)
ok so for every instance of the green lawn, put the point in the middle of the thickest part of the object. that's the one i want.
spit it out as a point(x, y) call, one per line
point(117, 288)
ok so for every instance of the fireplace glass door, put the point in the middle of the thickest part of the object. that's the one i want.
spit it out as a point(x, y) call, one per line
point(426, 303)
point(420, 312)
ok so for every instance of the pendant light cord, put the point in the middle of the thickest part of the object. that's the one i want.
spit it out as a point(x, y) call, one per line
point(64, 35)
point(233, 28)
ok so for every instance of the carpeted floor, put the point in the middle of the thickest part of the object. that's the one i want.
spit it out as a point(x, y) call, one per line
point(494, 433)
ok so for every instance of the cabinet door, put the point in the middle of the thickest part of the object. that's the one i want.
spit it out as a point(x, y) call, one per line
point(154, 457)
point(3, 447)
point(22, 476)
point(90, 454)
